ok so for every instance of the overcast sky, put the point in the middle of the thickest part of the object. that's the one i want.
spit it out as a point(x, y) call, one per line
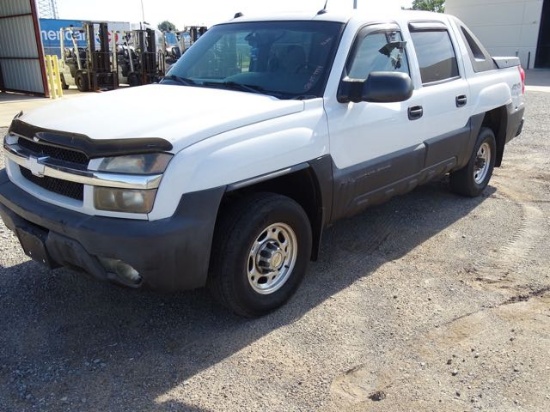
point(199, 12)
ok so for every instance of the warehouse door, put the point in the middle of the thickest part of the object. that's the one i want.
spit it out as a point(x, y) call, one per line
point(543, 48)
point(22, 67)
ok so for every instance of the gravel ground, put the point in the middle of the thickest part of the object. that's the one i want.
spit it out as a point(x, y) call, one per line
point(429, 302)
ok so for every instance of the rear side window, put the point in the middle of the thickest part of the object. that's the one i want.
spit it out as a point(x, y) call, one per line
point(436, 55)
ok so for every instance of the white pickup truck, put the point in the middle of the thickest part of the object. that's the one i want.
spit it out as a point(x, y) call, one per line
point(262, 134)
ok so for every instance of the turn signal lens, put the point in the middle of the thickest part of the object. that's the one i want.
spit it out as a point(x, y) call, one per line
point(124, 200)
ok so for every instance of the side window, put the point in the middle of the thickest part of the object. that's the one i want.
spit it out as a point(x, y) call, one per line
point(378, 51)
point(436, 55)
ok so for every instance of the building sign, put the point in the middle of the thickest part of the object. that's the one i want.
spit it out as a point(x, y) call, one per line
point(50, 31)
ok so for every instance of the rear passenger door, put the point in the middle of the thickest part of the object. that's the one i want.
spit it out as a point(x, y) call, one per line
point(444, 94)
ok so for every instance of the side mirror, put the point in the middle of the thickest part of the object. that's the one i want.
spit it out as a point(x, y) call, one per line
point(380, 87)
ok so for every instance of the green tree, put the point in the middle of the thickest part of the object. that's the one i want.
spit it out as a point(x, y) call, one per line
point(429, 5)
point(167, 26)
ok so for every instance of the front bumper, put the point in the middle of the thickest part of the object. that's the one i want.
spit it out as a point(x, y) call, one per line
point(169, 254)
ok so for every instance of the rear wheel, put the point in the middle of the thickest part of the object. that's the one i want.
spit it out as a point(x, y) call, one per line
point(260, 255)
point(473, 178)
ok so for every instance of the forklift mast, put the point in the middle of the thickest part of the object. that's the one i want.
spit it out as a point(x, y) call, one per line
point(149, 66)
point(101, 73)
point(189, 36)
point(196, 31)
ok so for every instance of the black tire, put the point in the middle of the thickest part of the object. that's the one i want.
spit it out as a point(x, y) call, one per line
point(473, 178)
point(81, 81)
point(64, 84)
point(261, 250)
point(133, 79)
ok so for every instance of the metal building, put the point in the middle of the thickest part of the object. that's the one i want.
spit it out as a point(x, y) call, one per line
point(509, 27)
point(22, 67)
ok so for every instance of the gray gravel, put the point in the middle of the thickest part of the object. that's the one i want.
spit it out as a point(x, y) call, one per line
point(429, 302)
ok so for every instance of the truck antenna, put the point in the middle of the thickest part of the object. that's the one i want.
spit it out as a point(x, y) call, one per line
point(324, 9)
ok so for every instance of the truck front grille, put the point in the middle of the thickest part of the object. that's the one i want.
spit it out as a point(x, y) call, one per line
point(61, 154)
point(61, 187)
point(55, 152)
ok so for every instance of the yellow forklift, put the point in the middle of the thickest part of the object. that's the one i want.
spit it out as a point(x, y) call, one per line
point(91, 68)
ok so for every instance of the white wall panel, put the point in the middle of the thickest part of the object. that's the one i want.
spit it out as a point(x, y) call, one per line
point(505, 27)
point(16, 38)
point(14, 7)
point(21, 57)
point(23, 75)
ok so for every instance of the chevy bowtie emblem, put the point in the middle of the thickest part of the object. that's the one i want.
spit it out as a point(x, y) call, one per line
point(36, 166)
point(36, 139)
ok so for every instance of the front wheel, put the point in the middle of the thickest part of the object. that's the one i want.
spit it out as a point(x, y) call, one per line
point(473, 178)
point(64, 84)
point(133, 79)
point(261, 250)
point(81, 81)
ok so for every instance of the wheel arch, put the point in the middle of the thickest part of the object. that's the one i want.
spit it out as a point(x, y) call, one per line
point(496, 120)
point(308, 184)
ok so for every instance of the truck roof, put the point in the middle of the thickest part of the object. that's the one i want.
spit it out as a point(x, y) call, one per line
point(363, 14)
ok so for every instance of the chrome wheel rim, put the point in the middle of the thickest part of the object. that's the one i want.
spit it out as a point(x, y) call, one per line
point(481, 165)
point(272, 258)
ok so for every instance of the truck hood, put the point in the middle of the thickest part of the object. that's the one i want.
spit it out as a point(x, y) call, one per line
point(183, 115)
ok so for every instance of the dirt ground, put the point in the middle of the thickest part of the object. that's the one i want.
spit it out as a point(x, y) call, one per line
point(431, 302)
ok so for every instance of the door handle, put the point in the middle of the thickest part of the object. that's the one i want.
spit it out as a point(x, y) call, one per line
point(461, 100)
point(415, 112)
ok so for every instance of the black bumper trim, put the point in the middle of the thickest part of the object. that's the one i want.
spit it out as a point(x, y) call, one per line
point(520, 127)
point(515, 123)
point(170, 254)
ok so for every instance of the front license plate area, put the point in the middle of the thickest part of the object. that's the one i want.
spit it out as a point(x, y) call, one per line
point(33, 243)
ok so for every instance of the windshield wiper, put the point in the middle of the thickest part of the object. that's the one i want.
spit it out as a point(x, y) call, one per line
point(304, 97)
point(250, 88)
point(181, 80)
point(245, 87)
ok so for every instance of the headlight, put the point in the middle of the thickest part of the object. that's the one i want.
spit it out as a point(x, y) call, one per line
point(143, 164)
point(130, 200)
point(124, 200)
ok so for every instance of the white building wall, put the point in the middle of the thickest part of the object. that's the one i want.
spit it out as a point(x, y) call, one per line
point(505, 27)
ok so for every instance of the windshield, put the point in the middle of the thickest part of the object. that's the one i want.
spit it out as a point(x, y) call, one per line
point(280, 58)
